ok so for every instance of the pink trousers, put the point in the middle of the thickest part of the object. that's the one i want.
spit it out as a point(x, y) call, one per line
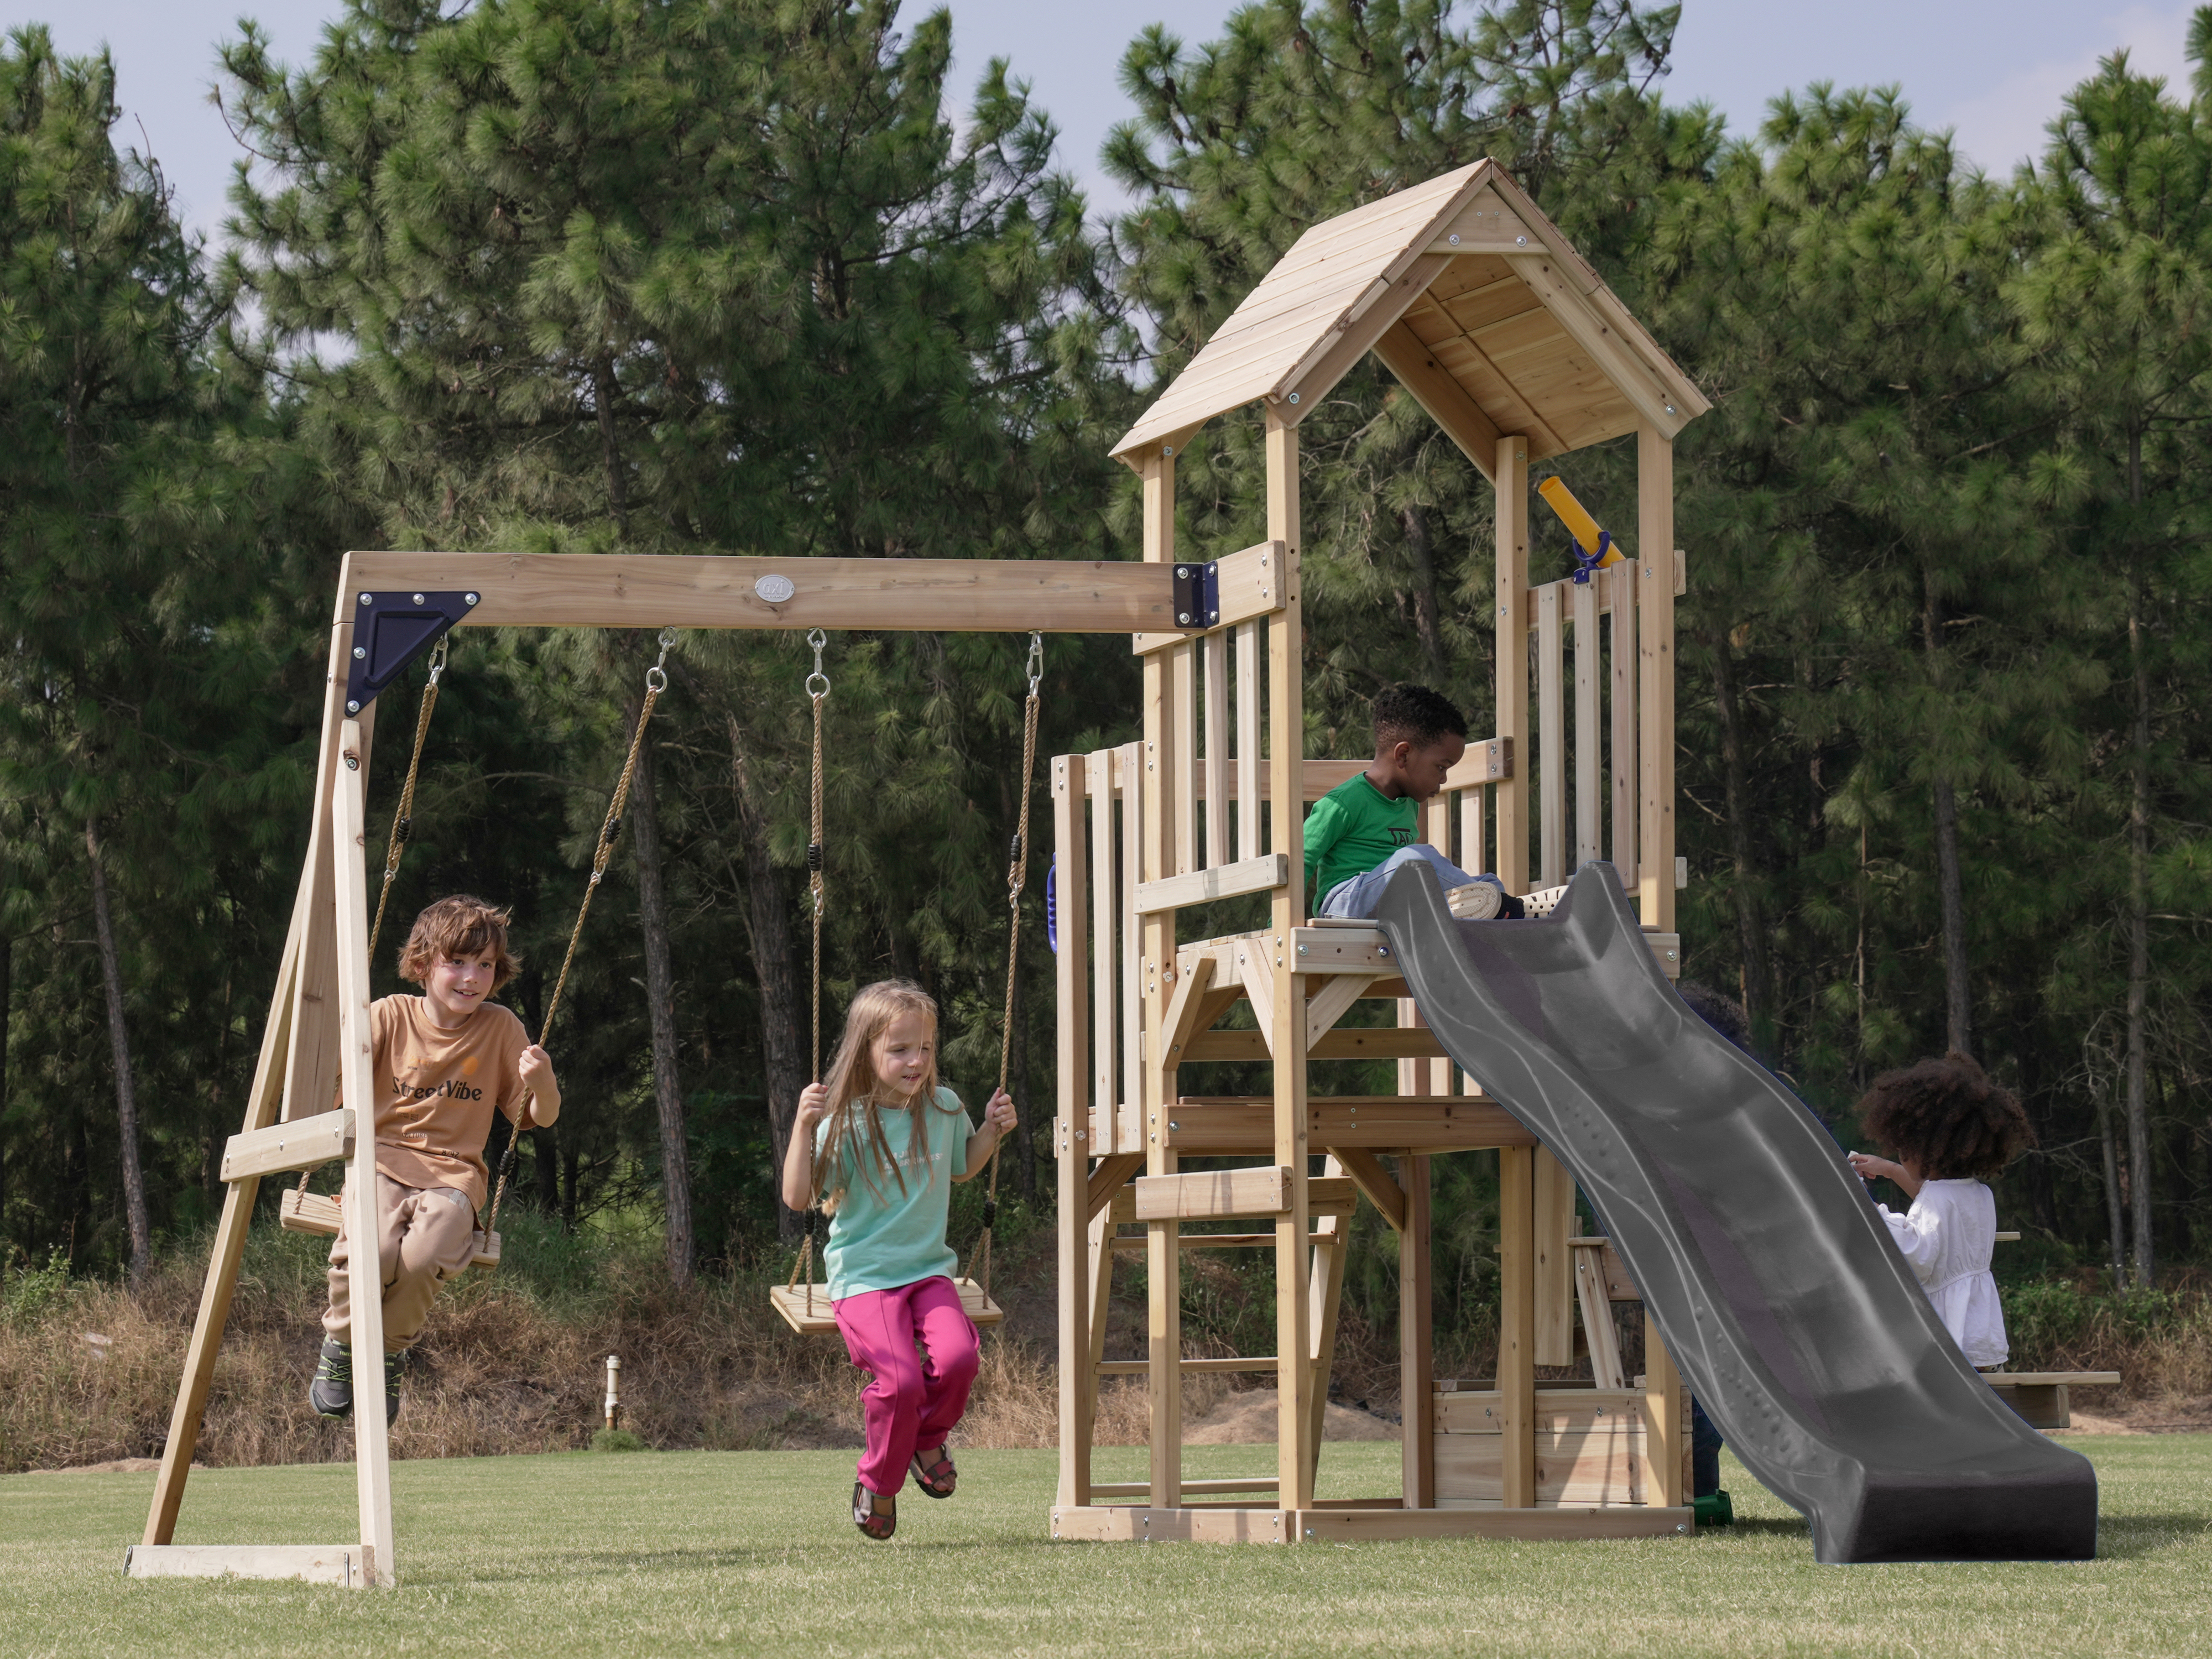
point(911, 1403)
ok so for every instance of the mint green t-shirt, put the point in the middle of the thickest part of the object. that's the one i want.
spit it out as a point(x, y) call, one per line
point(883, 1237)
point(1353, 828)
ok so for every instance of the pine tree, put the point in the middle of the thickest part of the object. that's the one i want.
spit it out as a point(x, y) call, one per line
point(2115, 300)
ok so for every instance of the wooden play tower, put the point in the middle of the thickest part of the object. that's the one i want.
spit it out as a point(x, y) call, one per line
point(1491, 320)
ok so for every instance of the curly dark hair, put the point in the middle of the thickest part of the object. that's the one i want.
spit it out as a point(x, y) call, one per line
point(1415, 714)
point(1947, 1116)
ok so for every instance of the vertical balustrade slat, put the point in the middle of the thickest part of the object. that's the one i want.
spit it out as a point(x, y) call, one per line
point(1590, 743)
point(1098, 780)
point(1248, 740)
point(1182, 712)
point(1551, 734)
point(1130, 760)
point(1623, 577)
point(1217, 750)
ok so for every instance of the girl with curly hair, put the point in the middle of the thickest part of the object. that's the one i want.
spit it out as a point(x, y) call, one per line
point(1950, 1128)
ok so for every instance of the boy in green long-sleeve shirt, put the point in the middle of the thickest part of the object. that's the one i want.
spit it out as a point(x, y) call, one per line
point(1360, 833)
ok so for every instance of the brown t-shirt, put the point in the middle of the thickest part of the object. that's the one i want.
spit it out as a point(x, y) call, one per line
point(437, 1089)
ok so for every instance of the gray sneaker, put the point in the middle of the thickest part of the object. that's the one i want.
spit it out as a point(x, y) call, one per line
point(331, 1392)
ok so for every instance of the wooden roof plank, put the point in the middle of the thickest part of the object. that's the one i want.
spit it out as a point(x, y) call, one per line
point(1432, 386)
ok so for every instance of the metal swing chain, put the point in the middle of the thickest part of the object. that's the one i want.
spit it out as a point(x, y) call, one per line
point(1016, 879)
point(656, 682)
point(403, 817)
point(818, 693)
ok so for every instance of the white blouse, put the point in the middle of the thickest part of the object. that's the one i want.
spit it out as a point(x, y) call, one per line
point(1948, 1236)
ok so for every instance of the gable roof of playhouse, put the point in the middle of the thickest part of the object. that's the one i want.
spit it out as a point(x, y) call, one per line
point(1470, 296)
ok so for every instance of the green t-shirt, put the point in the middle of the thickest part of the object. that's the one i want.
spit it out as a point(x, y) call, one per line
point(884, 1236)
point(1353, 828)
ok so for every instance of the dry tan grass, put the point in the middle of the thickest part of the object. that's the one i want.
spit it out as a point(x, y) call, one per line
point(88, 1372)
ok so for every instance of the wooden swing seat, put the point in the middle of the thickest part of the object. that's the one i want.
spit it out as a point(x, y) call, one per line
point(318, 1213)
point(805, 1308)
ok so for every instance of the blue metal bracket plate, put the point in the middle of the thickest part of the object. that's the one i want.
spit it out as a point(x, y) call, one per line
point(389, 630)
point(1197, 595)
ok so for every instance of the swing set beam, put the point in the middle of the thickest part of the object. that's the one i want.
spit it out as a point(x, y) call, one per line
point(621, 590)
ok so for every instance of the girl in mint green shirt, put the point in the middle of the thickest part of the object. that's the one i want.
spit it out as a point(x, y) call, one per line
point(878, 1146)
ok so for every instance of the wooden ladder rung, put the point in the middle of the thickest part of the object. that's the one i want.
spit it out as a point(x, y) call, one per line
point(1132, 1243)
point(1139, 1367)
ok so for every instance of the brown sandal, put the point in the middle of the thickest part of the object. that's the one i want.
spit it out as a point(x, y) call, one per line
point(937, 1479)
point(874, 1522)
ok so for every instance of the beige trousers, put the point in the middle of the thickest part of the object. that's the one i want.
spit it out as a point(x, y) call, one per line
point(425, 1236)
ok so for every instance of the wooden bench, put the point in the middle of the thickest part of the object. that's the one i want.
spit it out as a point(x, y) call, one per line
point(2040, 1397)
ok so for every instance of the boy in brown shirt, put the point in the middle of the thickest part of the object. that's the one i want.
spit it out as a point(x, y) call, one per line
point(443, 1063)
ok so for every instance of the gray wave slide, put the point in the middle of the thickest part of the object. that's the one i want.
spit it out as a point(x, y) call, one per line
point(1793, 1317)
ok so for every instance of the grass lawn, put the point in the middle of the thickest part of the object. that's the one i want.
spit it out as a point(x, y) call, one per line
point(750, 1552)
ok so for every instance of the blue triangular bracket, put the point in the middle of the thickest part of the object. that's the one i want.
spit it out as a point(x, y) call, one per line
point(389, 630)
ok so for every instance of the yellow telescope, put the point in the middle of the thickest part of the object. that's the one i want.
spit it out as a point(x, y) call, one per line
point(1594, 543)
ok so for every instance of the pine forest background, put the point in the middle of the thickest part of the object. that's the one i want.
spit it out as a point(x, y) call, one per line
point(750, 277)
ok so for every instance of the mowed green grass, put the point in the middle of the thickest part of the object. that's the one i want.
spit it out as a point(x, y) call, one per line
point(750, 1552)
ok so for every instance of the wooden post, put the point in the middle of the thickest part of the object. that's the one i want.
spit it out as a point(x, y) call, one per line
point(1509, 855)
point(1554, 1272)
point(1516, 1324)
point(1655, 611)
point(1417, 1405)
point(262, 1100)
point(1163, 807)
point(1326, 1294)
point(365, 1271)
point(311, 1061)
point(1071, 1145)
point(1287, 1019)
point(1663, 1439)
point(272, 1091)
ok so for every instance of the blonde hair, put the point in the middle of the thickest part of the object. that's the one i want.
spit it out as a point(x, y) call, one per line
point(855, 1124)
point(455, 927)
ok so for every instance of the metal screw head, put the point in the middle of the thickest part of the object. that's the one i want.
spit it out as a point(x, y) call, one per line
point(1520, 241)
point(1453, 239)
point(418, 598)
point(1167, 449)
point(1294, 397)
point(470, 597)
point(1182, 573)
point(1183, 616)
point(1670, 409)
point(352, 707)
point(369, 598)
point(360, 651)
point(353, 762)
point(1213, 616)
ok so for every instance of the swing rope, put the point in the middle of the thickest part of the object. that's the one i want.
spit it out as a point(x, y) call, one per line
point(817, 692)
point(403, 817)
point(656, 682)
point(818, 687)
point(1017, 865)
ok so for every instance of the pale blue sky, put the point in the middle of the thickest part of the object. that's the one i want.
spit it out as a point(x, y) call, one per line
point(1993, 70)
